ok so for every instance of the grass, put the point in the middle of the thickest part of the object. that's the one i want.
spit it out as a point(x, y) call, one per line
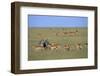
point(36, 34)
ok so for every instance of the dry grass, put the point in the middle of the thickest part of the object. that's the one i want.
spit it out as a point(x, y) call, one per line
point(56, 35)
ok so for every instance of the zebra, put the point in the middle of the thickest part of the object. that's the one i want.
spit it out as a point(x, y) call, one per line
point(44, 43)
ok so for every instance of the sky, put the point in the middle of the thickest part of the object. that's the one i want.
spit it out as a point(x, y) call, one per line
point(56, 21)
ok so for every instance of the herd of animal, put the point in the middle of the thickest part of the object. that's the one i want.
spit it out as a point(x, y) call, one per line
point(55, 46)
point(69, 33)
point(64, 33)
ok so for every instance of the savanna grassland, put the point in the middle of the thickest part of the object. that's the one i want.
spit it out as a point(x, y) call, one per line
point(75, 38)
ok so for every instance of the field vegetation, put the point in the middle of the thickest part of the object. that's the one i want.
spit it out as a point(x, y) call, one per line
point(66, 43)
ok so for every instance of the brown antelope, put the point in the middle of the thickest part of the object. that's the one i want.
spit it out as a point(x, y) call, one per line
point(67, 47)
point(53, 43)
point(72, 33)
point(54, 46)
point(65, 33)
point(38, 47)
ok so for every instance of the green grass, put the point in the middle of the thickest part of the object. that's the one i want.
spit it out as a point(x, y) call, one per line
point(36, 34)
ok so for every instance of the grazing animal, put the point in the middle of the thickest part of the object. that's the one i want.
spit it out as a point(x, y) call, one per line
point(65, 33)
point(67, 47)
point(53, 46)
point(44, 43)
point(53, 43)
point(38, 47)
point(70, 33)
point(41, 42)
